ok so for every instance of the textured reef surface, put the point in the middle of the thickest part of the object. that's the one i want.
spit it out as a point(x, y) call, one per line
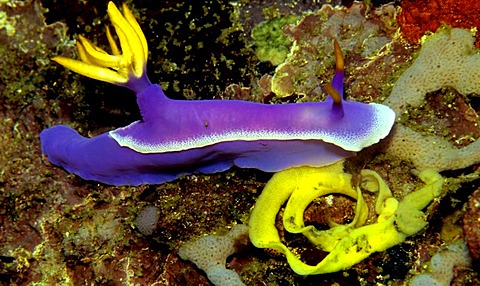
point(57, 229)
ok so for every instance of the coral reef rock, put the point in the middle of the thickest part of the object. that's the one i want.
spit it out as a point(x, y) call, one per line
point(447, 58)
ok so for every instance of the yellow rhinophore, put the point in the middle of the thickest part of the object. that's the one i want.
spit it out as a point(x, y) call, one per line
point(347, 244)
point(125, 65)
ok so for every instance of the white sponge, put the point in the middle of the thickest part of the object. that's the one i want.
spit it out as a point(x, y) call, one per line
point(210, 253)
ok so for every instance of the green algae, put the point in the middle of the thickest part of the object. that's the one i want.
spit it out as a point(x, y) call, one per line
point(271, 43)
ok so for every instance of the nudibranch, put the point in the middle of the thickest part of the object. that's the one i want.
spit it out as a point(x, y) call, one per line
point(176, 137)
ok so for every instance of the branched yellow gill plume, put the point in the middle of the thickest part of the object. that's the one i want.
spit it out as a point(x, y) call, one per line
point(126, 65)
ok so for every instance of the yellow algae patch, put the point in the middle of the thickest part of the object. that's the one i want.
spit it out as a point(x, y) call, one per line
point(346, 244)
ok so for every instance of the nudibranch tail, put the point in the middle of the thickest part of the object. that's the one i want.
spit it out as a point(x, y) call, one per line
point(127, 66)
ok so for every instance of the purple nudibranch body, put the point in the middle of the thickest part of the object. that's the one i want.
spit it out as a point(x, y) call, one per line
point(176, 137)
